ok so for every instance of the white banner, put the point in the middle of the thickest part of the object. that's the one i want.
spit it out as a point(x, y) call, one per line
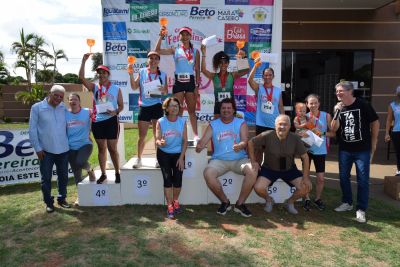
point(131, 27)
point(18, 160)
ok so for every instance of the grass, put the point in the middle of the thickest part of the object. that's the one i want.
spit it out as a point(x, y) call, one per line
point(136, 235)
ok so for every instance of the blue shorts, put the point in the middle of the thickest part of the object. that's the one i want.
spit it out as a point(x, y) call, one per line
point(286, 176)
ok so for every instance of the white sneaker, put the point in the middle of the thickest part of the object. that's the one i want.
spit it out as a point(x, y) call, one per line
point(344, 207)
point(397, 173)
point(268, 206)
point(290, 208)
point(157, 165)
point(137, 163)
point(360, 216)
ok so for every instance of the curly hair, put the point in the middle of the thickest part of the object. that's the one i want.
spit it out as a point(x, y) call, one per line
point(217, 59)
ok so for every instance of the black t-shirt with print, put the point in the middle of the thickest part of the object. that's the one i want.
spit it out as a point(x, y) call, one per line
point(354, 133)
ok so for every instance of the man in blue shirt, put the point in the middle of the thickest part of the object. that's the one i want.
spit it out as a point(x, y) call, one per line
point(229, 137)
point(48, 136)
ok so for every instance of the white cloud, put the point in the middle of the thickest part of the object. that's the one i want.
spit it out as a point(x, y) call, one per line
point(66, 24)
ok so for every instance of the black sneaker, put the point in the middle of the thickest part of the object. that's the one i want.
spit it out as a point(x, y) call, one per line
point(243, 210)
point(307, 205)
point(64, 204)
point(224, 208)
point(50, 208)
point(102, 178)
point(319, 204)
point(117, 178)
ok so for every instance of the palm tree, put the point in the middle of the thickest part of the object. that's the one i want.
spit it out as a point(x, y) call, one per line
point(3, 70)
point(24, 51)
point(38, 53)
point(57, 54)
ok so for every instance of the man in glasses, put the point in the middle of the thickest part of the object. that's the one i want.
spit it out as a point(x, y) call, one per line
point(48, 136)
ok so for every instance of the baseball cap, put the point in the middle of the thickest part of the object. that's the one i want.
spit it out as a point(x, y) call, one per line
point(102, 67)
point(189, 30)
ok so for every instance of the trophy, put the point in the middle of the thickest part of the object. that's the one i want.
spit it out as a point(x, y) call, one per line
point(131, 61)
point(164, 23)
point(90, 43)
point(255, 55)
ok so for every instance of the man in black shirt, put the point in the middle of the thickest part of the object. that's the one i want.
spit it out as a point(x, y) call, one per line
point(356, 124)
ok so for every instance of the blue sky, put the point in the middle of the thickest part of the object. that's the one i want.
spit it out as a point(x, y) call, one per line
point(65, 23)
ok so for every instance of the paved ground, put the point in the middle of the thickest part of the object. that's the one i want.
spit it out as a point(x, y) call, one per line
point(380, 168)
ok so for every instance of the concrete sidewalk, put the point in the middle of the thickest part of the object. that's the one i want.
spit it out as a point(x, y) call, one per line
point(380, 168)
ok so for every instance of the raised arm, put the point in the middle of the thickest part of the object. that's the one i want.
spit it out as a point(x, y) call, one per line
point(134, 82)
point(251, 80)
point(204, 70)
point(86, 83)
point(163, 51)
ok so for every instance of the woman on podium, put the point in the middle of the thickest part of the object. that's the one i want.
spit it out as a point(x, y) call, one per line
point(171, 140)
point(152, 84)
point(107, 104)
point(222, 79)
point(187, 72)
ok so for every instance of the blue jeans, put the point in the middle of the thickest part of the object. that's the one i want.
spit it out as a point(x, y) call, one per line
point(46, 170)
point(362, 161)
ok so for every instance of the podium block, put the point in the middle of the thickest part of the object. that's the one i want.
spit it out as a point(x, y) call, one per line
point(143, 185)
point(232, 184)
point(194, 187)
point(106, 194)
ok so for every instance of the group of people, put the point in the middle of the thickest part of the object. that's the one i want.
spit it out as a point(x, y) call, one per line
point(58, 134)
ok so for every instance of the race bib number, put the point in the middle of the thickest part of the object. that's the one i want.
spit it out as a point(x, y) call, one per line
point(101, 195)
point(223, 95)
point(267, 107)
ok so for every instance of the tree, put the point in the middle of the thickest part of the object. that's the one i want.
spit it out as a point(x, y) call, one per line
point(3, 70)
point(97, 59)
point(36, 94)
point(24, 49)
point(71, 78)
point(57, 54)
point(38, 53)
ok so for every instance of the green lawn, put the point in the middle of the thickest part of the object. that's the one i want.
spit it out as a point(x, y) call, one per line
point(135, 235)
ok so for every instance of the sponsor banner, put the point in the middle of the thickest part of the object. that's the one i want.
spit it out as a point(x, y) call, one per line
point(240, 86)
point(114, 30)
point(260, 32)
point(251, 103)
point(18, 160)
point(240, 102)
point(144, 13)
point(138, 48)
point(136, 32)
point(250, 118)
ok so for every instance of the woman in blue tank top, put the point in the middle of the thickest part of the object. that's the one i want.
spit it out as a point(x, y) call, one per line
point(78, 133)
point(171, 140)
point(187, 72)
point(150, 108)
point(321, 126)
point(105, 126)
point(393, 119)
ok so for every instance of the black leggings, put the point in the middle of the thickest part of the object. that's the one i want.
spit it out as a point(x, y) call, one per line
point(171, 174)
point(396, 144)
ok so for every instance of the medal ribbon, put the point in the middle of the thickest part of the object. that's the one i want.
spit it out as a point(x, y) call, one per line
point(269, 95)
point(101, 94)
point(188, 53)
point(148, 73)
point(222, 79)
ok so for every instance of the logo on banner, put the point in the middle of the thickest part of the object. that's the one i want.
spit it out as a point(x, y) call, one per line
point(118, 67)
point(234, 32)
point(174, 13)
point(240, 102)
point(115, 48)
point(236, 2)
point(114, 12)
point(240, 86)
point(197, 37)
point(251, 103)
point(138, 31)
point(259, 14)
point(260, 32)
point(119, 83)
point(230, 15)
point(263, 47)
point(201, 13)
point(191, 2)
point(114, 30)
point(138, 48)
point(144, 13)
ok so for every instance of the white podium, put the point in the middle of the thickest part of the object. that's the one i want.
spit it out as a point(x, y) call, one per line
point(106, 194)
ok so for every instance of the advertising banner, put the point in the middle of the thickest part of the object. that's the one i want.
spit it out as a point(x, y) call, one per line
point(18, 160)
point(131, 27)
